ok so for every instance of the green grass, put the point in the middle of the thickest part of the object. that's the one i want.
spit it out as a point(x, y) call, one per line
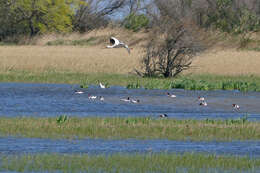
point(65, 127)
point(254, 49)
point(81, 42)
point(189, 82)
point(123, 163)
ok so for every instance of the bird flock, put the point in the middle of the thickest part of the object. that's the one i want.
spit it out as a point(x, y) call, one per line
point(115, 43)
point(201, 100)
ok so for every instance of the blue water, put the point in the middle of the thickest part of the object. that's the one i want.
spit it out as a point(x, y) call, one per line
point(19, 99)
point(10, 145)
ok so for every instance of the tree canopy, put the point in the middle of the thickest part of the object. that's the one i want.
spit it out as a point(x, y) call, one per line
point(34, 16)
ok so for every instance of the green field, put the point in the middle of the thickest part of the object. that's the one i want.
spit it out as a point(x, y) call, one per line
point(189, 82)
point(125, 163)
point(135, 128)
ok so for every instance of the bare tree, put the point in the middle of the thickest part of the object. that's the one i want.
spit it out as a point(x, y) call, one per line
point(93, 13)
point(171, 52)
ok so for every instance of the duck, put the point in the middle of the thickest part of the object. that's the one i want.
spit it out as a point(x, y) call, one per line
point(203, 103)
point(92, 97)
point(236, 106)
point(135, 101)
point(126, 100)
point(117, 44)
point(201, 98)
point(78, 92)
point(101, 98)
point(171, 95)
point(101, 85)
point(163, 115)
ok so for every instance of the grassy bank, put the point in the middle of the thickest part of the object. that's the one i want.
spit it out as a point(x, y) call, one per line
point(129, 163)
point(124, 128)
point(189, 82)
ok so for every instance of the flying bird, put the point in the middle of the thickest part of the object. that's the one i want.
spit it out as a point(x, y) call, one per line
point(117, 44)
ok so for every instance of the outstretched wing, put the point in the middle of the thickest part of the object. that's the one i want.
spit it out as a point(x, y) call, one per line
point(114, 42)
point(127, 48)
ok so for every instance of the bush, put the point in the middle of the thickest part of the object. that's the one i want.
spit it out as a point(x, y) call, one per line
point(170, 50)
point(136, 22)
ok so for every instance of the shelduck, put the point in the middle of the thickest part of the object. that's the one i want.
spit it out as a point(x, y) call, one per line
point(163, 116)
point(171, 95)
point(203, 103)
point(92, 97)
point(126, 100)
point(78, 92)
point(235, 106)
point(135, 101)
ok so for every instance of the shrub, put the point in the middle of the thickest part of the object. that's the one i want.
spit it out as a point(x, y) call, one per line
point(136, 22)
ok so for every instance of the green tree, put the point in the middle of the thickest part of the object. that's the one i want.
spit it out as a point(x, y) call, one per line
point(35, 16)
point(136, 22)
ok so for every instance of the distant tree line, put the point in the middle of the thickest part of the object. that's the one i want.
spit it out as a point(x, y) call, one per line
point(32, 17)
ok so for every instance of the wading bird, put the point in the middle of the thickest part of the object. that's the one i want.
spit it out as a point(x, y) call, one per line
point(117, 44)
point(101, 85)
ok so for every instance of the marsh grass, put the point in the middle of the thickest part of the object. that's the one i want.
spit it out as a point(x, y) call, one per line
point(126, 128)
point(188, 82)
point(124, 163)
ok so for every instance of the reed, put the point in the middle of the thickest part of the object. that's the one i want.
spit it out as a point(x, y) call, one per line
point(125, 128)
point(123, 163)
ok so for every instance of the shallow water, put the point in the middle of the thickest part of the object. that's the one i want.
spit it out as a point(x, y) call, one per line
point(10, 145)
point(19, 99)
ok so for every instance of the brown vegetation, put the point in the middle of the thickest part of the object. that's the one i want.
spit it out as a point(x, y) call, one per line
point(223, 58)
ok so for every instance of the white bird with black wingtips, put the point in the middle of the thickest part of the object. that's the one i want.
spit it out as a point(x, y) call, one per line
point(117, 44)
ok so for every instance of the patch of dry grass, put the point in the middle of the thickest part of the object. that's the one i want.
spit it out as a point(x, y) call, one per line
point(96, 59)
point(68, 58)
point(227, 62)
